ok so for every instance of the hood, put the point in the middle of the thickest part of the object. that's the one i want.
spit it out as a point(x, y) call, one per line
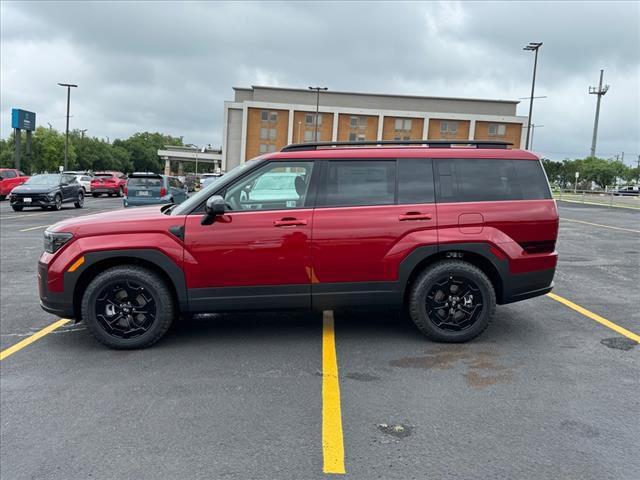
point(34, 189)
point(126, 220)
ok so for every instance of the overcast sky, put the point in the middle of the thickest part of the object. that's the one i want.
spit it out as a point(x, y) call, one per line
point(168, 66)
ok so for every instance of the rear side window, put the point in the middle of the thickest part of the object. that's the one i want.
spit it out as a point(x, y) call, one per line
point(533, 181)
point(8, 174)
point(487, 180)
point(415, 181)
point(362, 182)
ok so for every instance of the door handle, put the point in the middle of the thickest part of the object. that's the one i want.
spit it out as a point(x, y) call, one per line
point(414, 216)
point(289, 222)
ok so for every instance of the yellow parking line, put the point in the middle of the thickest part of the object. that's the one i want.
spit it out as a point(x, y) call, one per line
point(332, 440)
point(600, 225)
point(33, 228)
point(596, 317)
point(29, 340)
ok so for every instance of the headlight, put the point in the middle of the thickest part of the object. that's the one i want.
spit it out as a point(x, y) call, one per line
point(53, 241)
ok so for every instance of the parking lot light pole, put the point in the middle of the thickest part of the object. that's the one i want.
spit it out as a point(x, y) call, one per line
point(533, 46)
point(318, 90)
point(66, 140)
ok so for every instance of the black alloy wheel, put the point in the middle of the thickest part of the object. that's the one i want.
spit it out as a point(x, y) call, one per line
point(451, 301)
point(127, 307)
point(454, 303)
point(125, 310)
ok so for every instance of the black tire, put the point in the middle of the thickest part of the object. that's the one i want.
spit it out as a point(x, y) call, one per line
point(2, 197)
point(145, 281)
point(16, 208)
point(110, 194)
point(443, 324)
point(95, 195)
point(58, 202)
point(79, 203)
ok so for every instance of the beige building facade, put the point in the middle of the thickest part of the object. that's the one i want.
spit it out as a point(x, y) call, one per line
point(264, 119)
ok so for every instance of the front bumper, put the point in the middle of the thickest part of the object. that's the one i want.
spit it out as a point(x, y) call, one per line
point(59, 304)
point(36, 201)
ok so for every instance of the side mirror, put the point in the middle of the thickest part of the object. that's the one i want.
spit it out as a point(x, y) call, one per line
point(215, 206)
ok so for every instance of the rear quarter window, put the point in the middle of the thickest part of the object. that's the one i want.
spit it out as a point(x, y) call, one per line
point(488, 180)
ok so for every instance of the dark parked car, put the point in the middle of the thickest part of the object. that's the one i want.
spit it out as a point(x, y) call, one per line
point(153, 189)
point(629, 190)
point(49, 190)
point(447, 233)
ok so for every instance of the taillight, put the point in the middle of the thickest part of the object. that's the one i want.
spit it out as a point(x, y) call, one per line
point(544, 246)
point(163, 192)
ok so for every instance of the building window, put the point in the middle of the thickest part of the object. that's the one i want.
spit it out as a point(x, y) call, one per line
point(310, 135)
point(352, 137)
point(397, 139)
point(272, 134)
point(449, 127)
point(271, 148)
point(267, 133)
point(263, 148)
point(403, 124)
point(358, 122)
point(361, 138)
point(497, 129)
point(267, 116)
point(310, 117)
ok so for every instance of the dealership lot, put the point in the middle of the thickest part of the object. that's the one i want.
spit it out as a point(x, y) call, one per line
point(545, 392)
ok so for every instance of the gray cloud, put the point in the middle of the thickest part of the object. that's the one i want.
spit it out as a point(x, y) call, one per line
point(169, 66)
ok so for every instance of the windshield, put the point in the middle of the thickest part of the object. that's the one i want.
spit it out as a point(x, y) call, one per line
point(49, 179)
point(206, 192)
point(145, 182)
point(276, 182)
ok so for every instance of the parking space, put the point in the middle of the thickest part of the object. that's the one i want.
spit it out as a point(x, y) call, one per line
point(544, 393)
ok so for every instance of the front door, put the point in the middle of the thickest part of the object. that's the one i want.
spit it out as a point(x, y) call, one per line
point(257, 255)
point(370, 215)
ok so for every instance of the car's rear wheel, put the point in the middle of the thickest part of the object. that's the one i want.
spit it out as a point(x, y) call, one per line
point(16, 208)
point(452, 301)
point(57, 205)
point(95, 195)
point(79, 203)
point(128, 307)
point(2, 197)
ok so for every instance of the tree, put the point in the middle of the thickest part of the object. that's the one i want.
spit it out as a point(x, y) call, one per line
point(553, 169)
point(603, 172)
point(48, 151)
point(143, 149)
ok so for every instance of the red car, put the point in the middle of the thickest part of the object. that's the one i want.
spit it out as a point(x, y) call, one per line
point(111, 183)
point(9, 179)
point(445, 233)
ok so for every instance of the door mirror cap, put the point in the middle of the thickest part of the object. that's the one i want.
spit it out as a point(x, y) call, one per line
point(215, 206)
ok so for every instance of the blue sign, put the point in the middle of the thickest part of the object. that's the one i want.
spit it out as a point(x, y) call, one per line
point(22, 119)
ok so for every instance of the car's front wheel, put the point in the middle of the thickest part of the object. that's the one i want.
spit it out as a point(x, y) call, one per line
point(452, 301)
point(57, 202)
point(128, 307)
point(16, 208)
point(95, 195)
point(79, 203)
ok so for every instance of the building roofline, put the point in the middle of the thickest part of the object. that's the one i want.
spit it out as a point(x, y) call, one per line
point(462, 99)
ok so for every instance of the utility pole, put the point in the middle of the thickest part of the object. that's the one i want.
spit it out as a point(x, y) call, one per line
point(66, 140)
point(533, 46)
point(318, 90)
point(600, 92)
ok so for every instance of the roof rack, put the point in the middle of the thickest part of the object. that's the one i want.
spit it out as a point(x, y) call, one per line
point(294, 147)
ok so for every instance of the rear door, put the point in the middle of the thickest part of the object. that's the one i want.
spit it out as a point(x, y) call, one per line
point(69, 186)
point(370, 215)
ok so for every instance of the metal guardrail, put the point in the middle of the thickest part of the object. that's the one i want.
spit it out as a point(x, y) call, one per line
point(596, 197)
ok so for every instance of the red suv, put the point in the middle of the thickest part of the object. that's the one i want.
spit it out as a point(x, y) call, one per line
point(9, 179)
point(111, 183)
point(443, 231)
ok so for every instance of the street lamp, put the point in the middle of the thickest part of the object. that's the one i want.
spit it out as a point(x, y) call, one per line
point(318, 90)
point(533, 47)
point(66, 141)
point(299, 126)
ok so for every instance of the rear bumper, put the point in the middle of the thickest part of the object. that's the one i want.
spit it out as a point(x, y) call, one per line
point(144, 201)
point(521, 286)
point(105, 189)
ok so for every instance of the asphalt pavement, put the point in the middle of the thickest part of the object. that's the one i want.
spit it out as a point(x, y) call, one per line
point(545, 392)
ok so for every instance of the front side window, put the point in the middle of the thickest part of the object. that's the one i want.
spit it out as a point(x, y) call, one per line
point(361, 182)
point(276, 186)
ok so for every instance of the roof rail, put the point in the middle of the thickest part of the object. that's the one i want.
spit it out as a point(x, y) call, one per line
point(294, 147)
